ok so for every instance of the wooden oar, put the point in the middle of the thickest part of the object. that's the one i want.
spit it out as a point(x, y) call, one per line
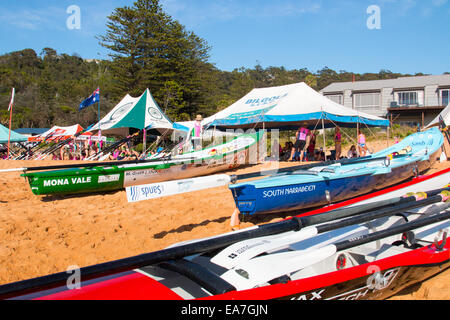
point(126, 264)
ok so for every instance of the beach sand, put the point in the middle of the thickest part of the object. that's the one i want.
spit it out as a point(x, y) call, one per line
point(41, 235)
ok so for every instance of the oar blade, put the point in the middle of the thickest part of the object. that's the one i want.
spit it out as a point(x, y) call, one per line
point(169, 188)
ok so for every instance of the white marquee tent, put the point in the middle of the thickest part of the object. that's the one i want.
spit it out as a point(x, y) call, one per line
point(287, 107)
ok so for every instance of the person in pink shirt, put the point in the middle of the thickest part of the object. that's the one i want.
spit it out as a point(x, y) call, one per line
point(300, 143)
point(197, 132)
point(362, 147)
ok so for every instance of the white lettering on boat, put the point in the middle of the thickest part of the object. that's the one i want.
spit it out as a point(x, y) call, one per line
point(65, 181)
point(109, 178)
point(288, 191)
point(138, 175)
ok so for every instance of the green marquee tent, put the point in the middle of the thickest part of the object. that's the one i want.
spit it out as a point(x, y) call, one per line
point(15, 137)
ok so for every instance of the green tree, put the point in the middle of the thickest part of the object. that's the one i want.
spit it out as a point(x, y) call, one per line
point(151, 50)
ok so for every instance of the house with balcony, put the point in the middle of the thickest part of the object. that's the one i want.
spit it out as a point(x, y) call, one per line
point(405, 100)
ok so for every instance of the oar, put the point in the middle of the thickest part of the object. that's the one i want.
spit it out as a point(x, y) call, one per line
point(168, 188)
point(126, 264)
point(248, 249)
point(96, 164)
point(266, 268)
point(115, 145)
point(60, 144)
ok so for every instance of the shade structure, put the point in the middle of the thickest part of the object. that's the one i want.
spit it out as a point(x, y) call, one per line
point(15, 137)
point(287, 107)
point(139, 113)
point(445, 114)
point(57, 133)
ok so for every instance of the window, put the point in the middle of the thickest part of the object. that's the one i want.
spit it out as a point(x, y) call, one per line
point(407, 98)
point(336, 98)
point(445, 97)
point(367, 100)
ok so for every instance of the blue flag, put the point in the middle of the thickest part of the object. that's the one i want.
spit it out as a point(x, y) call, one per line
point(93, 98)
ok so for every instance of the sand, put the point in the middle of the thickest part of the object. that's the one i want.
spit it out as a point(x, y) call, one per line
point(41, 235)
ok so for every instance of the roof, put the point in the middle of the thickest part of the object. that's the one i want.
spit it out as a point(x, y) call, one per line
point(15, 137)
point(398, 83)
point(31, 130)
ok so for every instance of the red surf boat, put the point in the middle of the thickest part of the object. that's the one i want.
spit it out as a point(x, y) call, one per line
point(370, 247)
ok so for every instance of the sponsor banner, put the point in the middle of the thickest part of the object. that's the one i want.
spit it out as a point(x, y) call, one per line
point(109, 178)
point(163, 189)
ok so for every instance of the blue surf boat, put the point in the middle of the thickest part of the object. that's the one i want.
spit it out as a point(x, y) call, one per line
point(323, 185)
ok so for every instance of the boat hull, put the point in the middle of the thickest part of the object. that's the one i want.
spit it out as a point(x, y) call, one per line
point(371, 281)
point(250, 200)
point(295, 192)
point(379, 279)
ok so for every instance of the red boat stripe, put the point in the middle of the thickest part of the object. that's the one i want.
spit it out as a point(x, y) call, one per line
point(133, 286)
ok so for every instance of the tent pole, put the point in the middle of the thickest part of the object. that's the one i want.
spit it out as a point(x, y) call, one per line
point(324, 140)
point(357, 131)
point(144, 142)
point(99, 128)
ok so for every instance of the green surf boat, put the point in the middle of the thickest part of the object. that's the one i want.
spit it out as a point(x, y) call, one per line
point(92, 178)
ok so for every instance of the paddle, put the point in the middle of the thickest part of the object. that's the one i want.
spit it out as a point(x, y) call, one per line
point(93, 164)
point(60, 144)
point(115, 145)
point(246, 250)
point(266, 268)
point(126, 264)
point(168, 188)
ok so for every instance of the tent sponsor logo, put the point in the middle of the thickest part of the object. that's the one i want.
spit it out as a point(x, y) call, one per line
point(121, 111)
point(154, 113)
point(258, 102)
point(66, 181)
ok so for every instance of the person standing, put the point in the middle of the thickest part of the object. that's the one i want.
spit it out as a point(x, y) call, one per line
point(300, 143)
point(337, 142)
point(362, 147)
point(197, 133)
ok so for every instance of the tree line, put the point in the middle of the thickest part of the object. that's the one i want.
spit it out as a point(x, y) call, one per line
point(147, 49)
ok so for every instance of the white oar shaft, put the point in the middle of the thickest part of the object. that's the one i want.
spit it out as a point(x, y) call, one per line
point(13, 170)
point(168, 188)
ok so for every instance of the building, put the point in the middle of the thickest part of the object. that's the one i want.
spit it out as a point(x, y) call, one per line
point(409, 100)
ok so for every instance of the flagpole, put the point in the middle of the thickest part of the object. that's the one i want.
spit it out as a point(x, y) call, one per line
point(99, 128)
point(10, 118)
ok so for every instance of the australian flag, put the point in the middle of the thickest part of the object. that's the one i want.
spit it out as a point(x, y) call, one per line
point(93, 98)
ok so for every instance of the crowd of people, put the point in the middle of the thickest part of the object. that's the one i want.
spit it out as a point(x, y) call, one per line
point(304, 147)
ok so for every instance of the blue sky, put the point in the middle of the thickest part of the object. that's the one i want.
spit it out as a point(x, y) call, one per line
point(414, 34)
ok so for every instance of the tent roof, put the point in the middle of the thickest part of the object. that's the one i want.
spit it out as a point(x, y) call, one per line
point(445, 114)
point(139, 113)
point(287, 107)
point(57, 132)
point(15, 137)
